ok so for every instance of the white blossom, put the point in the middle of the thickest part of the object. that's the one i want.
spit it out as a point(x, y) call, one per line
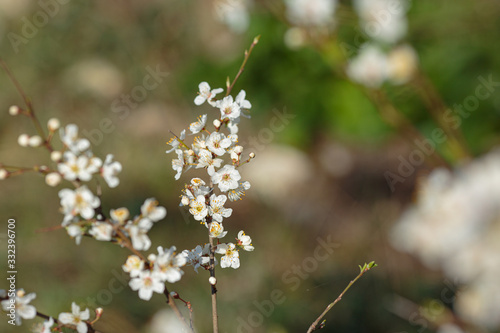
point(245, 241)
point(205, 160)
point(403, 63)
point(233, 13)
point(147, 282)
point(76, 318)
point(110, 171)
point(119, 215)
point(241, 101)
point(22, 307)
point(229, 108)
point(101, 231)
point(199, 125)
point(134, 266)
point(167, 264)
point(217, 143)
point(383, 20)
point(206, 94)
point(78, 167)
point(226, 178)
point(198, 208)
point(216, 230)
point(44, 327)
point(174, 142)
point(369, 68)
point(198, 257)
point(75, 230)
point(78, 202)
point(139, 234)
point(454, 225)
point(69, 136)
point(231, 256)
point(152, 211)
point(216, 208)
point(178, 164)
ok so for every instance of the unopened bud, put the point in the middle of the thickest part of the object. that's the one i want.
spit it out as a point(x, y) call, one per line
point(3, 174)
point(184, 200)
point(53, 179)
point(174, 294)
point(217, 123)
point(35, 141)
point(98, 313)
point(53, 124)
point(251, 155)
point(14, 110)
point(56, 156)
point(23, 140)
point(212, 280)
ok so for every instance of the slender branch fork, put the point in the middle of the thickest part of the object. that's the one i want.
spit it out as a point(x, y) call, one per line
point(316, 325)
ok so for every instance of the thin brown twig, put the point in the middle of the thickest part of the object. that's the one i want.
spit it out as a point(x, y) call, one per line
point(29, 104)
point(316, 325)
point(171, 303)
point(215, 320)
point(242, 67)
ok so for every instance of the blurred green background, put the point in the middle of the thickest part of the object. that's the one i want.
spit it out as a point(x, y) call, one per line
point(320, 176)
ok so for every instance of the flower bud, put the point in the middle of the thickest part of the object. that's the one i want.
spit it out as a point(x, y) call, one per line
point(174, 294)
point(98, 313)
point(53, 179)
point(14, 110)
point(212, 280)
point(251, 155)
point(185, 200)
point(56, 156)
point(217, 123)
point(3, 174)
point(35, 141)
point(23, 140)
point(53, 124)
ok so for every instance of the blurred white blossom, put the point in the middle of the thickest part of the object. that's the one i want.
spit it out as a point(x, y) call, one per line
point(370, 67)
point(455, 226)
point(310, 12)
point(233, 13)
point(383, 20)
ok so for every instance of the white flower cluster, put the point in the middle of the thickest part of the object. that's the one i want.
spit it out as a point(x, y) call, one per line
point(208, 151)
point(135, 229)
point(78, 161)
point(384, 22)
point(20, 305)
point(455, 226)
point(150, 276)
